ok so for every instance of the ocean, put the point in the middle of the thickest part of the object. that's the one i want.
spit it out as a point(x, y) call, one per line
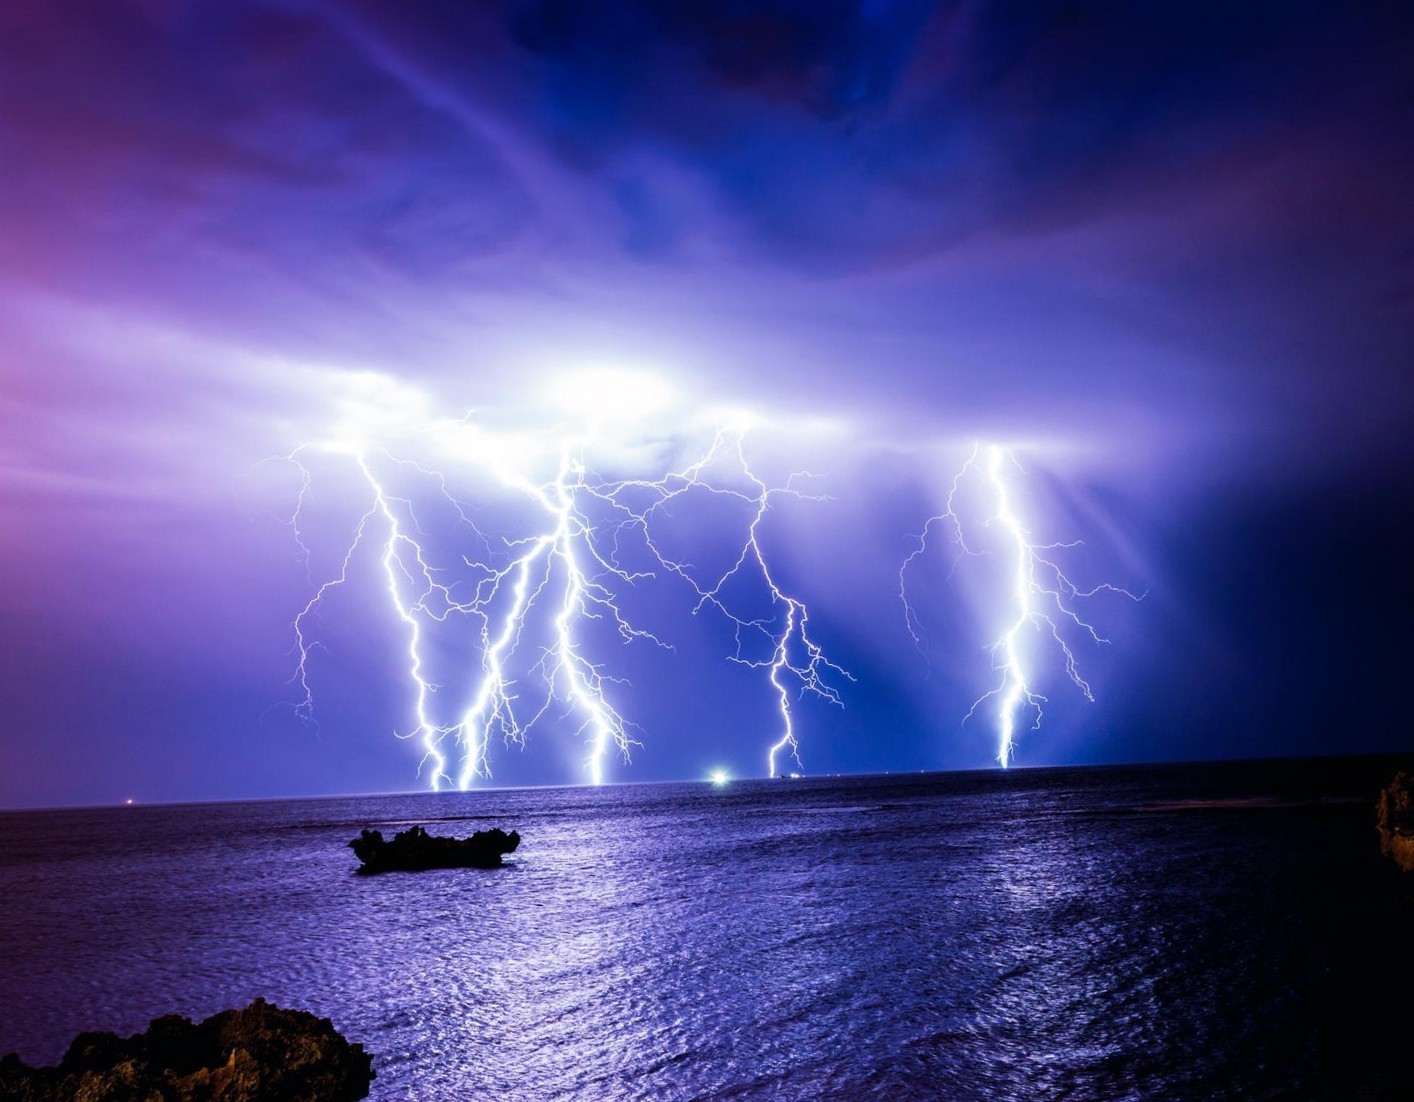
point(1188, 932)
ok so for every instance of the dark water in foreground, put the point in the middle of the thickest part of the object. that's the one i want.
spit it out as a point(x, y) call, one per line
point(1192, 932)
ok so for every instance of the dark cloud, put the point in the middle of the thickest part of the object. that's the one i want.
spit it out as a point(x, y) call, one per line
point(925, 122)
point(1224, 185)
point(239, 152)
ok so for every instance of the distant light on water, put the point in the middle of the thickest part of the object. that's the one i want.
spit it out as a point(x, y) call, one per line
point(719, 777)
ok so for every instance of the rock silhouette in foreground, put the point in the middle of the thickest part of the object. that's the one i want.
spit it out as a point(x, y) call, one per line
point(259, 1054)
point(1396, 820)
point(413, 850)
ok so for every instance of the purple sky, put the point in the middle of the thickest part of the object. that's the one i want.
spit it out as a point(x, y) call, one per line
point(1166, 250)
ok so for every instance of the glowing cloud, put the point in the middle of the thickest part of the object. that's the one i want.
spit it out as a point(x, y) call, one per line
point(610, 396)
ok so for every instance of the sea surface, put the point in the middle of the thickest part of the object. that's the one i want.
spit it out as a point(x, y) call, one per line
point(1177, 932)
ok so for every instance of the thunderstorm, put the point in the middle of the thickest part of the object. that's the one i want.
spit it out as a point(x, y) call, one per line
point(543, 589)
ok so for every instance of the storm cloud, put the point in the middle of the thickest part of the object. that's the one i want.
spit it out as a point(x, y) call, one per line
point(1169, 247)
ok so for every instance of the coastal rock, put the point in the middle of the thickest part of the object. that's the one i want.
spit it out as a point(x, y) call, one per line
point(259, 1054)
point(414, 850)
point(1395, 807)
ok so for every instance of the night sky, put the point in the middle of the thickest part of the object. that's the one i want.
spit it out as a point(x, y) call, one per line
point(1163, 251)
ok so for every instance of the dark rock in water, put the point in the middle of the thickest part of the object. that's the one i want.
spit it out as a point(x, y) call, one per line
point(1395, 807)
point(413, 850)
point(259, 1054)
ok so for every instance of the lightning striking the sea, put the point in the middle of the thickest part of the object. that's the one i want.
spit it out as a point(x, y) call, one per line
point(559, 567)
point(586, 592)
point(403, 566)
point(1040, 595)
point(542, 590)
point(776, 638)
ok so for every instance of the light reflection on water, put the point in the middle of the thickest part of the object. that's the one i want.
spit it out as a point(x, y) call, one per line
point(1106, 934)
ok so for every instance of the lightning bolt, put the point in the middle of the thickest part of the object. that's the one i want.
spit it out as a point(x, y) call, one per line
point(410, 584)
point(584, 595)
point(560, 567)
point(525, 602)
point(1042, 597)
point(795, 662)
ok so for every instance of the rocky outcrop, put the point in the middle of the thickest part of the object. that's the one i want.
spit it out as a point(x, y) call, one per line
point(413, 850)
point(259, 1054)
point(1395, 808)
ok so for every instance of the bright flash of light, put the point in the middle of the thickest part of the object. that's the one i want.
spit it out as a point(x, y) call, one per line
point(795, 662)
point(559, 567)
point(719, 777)
point(609, 396)
point(1040, 595)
